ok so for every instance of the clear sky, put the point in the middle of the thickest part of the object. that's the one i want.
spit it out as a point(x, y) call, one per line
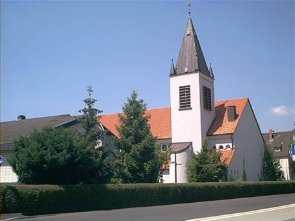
point(52, 50)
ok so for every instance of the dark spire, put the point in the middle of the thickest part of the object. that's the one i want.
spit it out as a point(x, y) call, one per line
point(191, 58)
point(172, 68)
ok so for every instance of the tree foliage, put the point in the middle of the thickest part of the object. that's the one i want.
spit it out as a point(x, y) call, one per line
point(206, 166)
point(94, 137)
point(271, 166)
point(53, 156)
point(89, 118)
point(137, 161)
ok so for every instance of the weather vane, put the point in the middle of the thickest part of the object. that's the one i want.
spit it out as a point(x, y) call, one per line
point(189, 5)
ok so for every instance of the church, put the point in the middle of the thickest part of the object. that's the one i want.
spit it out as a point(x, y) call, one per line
point(228, 126)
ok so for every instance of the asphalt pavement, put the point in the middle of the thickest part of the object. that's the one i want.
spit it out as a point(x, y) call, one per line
point(188, 211)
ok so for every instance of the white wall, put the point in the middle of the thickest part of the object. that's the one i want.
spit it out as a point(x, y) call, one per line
point(181, 159)
point(190, 125)
point(7, 175)
point(285, 167)
point(219, 139)
point(249, 146)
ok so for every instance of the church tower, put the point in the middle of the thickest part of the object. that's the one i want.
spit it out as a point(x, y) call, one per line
point(191, 92)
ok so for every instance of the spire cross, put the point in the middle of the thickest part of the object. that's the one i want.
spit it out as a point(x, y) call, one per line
point(189, 5)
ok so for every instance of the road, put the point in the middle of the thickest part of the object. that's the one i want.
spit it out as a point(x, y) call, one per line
point(193, 211)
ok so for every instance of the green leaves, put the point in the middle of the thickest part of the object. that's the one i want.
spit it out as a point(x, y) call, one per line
point(271, 166)
point(137, 161)
point(206, 166)
point(53, 156)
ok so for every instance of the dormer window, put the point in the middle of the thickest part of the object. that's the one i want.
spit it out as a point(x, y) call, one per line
point(207, 98)
point(185, 97)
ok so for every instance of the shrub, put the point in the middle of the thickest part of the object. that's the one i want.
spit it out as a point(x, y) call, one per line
point(45, 199)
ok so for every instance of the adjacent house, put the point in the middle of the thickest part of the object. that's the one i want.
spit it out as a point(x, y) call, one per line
point(22, 127)
point(280, 142)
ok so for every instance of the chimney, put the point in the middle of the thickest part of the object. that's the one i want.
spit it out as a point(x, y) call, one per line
point(21, 117)
point(270, 134)
point(231, 113)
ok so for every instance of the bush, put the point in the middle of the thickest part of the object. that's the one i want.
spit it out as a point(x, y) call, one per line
point(45, 199)
point(9, 199)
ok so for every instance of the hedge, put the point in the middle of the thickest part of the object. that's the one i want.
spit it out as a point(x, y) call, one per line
point(46, 199)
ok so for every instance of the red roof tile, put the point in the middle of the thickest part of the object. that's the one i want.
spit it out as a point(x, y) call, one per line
point(160, 119)
point(227, 156)
point(160, 122)
point(221, 125)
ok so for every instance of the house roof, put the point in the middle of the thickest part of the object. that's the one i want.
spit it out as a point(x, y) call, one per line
point(280, 141)
point(191, 58)
point(160, 120)
point(227, 156)
point(220, 124)
point(12, 130)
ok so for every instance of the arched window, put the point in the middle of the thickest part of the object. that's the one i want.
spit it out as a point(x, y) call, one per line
point(227, 146)
point(220, 147)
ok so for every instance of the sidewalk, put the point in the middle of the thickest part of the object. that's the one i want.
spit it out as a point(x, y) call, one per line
point(11, 216)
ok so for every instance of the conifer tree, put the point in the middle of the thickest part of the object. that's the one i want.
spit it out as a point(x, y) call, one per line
point(137, 160)
point(89, 118)
point(206, 166)
point(271, 167)
point(53, 156)
point(94, 136)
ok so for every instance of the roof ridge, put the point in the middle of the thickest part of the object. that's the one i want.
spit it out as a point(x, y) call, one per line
point(35, 118)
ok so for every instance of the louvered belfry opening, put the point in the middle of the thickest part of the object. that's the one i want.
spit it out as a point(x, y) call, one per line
point(184, 97)
point(207, 98)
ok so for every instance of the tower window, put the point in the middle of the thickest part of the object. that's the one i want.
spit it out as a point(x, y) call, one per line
point(184, 97)
point(207, 98)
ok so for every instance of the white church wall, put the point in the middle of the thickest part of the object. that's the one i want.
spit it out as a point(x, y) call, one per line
point(249, 147)
point(182, 128)
point(220, 140)
point(190, 125)
point(181, 160)
point(206, 116)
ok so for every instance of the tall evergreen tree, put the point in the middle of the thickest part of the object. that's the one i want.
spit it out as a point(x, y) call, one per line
point(271, 166)
point(137, 160)
point(89, 118)
point(94, 137)
point(206, 166)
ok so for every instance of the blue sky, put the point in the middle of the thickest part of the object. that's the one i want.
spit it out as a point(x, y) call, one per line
point(52, 50)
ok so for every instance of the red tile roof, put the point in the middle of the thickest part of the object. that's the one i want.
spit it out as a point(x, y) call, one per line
point(221, 125)
point(227, 156)
point(160, 122)
point(160, 119)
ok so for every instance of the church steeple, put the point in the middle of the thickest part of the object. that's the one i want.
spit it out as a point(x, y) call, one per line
point(191, 58)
